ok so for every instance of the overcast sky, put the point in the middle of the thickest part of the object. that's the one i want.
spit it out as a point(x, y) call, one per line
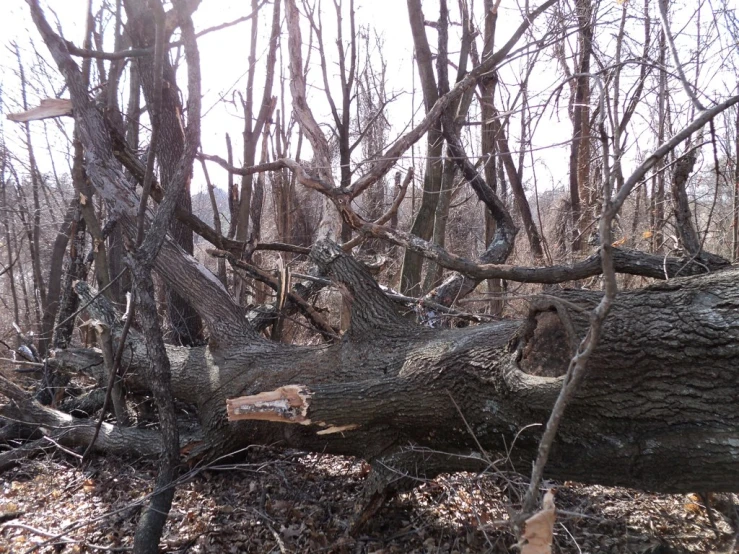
point(224, 66)
point(223, 60)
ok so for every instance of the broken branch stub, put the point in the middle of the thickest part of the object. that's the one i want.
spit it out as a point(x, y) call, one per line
point(47, 108)
point(288, 404)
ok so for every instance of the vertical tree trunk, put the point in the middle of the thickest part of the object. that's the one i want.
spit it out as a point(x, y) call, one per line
point(488, 143)
point(75, 269)
point(186, 324)
point(56, 263)
point(396, 189)
point(372, 117)
point(32, 217)
point(735, 218)
point(658, 181)
point(281, 187)
point(221, 263)
point(116, 250)
point(580, 147)
point(517, 190)
point(85, 193)
point(8, 241)
point(233, 192)
point(441, 214)
point(434, 271)
point(496, 176)
point(689, 239)
point(257, 203)
point(253, 126)
point(151, 523)
point(423, 224)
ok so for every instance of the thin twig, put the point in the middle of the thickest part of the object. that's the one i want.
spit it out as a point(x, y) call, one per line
point(673, 50)
point(141, 52)
point(23, 362)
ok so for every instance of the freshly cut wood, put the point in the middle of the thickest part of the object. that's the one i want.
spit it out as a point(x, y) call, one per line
point(47, 108)
point(656, 410)
point(287, 404)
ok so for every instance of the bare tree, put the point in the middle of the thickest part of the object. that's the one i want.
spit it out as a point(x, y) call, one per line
point(423, 224)
point(391, 391)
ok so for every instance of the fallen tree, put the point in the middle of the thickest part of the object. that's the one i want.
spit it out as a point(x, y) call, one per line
point(656, 410)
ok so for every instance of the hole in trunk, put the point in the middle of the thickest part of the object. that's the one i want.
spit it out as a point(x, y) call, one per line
point(547, 352)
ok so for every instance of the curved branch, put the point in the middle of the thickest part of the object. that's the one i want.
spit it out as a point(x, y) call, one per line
point(631, 262)
point(388, 215)
point(303, 113)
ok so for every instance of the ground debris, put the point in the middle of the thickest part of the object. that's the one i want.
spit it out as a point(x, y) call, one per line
point(287, 501)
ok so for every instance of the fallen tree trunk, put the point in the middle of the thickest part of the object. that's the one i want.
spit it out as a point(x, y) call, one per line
point(657, 410)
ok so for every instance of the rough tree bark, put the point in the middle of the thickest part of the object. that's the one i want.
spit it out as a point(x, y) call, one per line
point(580, 196)
point(657, 409)
point(186, 324)
point(423, 224)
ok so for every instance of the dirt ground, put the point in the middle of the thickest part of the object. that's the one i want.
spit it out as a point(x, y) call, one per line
point(284, 502)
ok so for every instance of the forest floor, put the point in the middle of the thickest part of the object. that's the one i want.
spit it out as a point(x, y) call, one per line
point(288, 501)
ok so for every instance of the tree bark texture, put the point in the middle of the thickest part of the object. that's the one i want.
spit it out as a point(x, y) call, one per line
point(186, 323)
point(657, 410)
point(423, 224)
point(580, 195)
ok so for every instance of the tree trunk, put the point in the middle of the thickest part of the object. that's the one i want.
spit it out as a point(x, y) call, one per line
point(656, 410)
point(186, 323)
point(33, 222)
point(519, 194)
point(658, 180)
point(434, 272)
point(56, 262)
point(735, 206)
point(7, 224)
point(252, 189)
point(689, 239)
point(580, 197)
point(74, 269)
point(423, 224)
point(488, 144)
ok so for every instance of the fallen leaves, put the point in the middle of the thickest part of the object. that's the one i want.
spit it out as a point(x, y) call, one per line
point(88, 486)
point(306, 503)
